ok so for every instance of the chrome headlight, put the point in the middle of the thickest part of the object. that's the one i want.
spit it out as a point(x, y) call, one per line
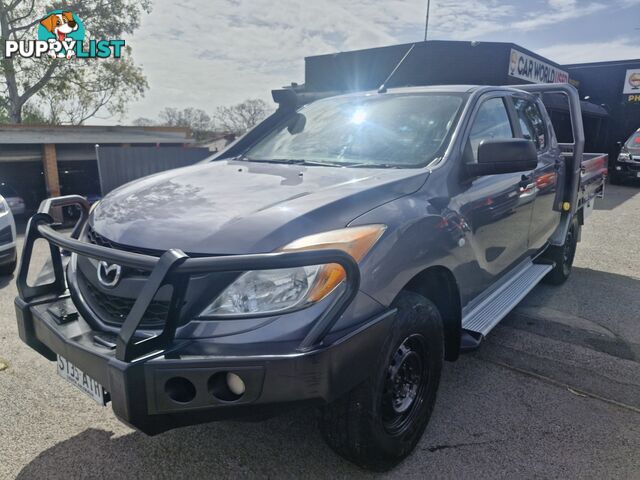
point(4, 207)
point(261, 292)
point(624, 157)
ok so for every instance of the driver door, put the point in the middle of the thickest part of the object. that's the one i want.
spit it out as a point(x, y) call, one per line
point(498, 207)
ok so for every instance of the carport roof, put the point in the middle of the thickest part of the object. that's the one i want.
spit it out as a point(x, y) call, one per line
point(29, 134)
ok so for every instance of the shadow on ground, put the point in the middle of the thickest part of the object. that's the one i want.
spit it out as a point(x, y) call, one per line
point(285, 446)
point(616, 195)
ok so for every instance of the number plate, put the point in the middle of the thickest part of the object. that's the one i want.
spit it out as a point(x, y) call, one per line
point(638, 174)
point(81, 380)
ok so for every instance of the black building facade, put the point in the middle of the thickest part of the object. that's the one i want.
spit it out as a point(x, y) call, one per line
point(616, 87)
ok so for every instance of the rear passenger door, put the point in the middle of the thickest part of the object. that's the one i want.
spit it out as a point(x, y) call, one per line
point(544, 185)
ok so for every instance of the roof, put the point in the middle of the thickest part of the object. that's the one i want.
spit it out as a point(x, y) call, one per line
point(435, 88)
point(630, 62)
point(404, 90)
point(406, 46)
point(30, 134)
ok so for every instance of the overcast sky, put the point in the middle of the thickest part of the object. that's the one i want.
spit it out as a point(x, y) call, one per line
point(206, 53)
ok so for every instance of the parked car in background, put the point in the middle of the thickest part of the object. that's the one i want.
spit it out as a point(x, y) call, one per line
point(8, 256)
point(627, 165)
point(15, 201)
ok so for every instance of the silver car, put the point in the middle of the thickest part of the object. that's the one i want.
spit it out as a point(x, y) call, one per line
point(8, 257)
point(15, 201)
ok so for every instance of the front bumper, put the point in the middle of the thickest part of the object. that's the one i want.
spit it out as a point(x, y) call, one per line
point(138, 390)
point(139, 372)
point(627, 169)
point(8, 255)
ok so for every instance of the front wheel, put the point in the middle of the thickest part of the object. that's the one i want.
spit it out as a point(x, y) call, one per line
point(615, 178)
point(9, 268)
point(563, 256)
point(379, 423)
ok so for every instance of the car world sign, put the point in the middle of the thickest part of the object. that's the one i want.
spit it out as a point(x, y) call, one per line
point(531, 69)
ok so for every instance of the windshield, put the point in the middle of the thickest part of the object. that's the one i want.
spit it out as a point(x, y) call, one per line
point(634, 141)
point(379, 130)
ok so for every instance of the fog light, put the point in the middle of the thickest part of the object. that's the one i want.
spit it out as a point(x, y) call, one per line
point(235, 384)
point(180, 390)
point(226, 386)
point(618, 167)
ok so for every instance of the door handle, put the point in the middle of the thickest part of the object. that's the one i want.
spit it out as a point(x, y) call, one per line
point(526, 182)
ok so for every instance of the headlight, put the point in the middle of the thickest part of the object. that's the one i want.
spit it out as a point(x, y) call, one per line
point(261, 292)
point(4, 208)
point(624, 157)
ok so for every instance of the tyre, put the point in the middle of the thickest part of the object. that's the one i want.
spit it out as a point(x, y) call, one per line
point(9, 268)
point(563, 256)
point(379, 423)
point(615, 178)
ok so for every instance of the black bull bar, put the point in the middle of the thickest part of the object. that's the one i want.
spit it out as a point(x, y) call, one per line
point(173, 268)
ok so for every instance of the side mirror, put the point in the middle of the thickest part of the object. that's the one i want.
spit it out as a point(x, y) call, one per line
point(297, 123)
point(504, 156)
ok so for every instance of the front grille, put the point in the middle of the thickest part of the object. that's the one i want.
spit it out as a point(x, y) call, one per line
point(97, 239)
point(5, 235)
point(114, 310)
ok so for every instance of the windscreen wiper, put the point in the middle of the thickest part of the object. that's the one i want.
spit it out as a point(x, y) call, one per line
point(292, 161)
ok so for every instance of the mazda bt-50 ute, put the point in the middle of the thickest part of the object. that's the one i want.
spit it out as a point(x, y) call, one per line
point(335, 255)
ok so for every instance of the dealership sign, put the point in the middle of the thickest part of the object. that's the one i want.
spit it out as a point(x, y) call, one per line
point(631, 89)
point(531, 69)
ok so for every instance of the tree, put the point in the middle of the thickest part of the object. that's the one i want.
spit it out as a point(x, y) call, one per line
point(144, 122)
point(194, 118)
point(239, 118)
point(70, 91)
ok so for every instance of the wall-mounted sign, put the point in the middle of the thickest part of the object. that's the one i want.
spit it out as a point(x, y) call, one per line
point(531, 69)
point(631, 89)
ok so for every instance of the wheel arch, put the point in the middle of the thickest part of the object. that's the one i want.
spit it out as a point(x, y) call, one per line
point(438, 284)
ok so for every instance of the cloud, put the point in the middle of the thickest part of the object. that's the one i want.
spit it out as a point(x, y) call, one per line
point(208, 53)
point(559, 11)
point(616, 49)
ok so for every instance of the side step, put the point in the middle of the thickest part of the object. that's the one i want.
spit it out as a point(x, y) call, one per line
point(486, 315)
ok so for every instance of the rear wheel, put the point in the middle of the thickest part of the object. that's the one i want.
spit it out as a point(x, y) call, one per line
point(9, 268)
point(563, 256)
point(379, 423)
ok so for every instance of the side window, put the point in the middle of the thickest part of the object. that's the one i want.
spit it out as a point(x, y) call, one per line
point(531, 122)
point(491, 122)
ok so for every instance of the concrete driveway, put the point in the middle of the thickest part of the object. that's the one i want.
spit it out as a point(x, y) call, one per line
point(553, 393)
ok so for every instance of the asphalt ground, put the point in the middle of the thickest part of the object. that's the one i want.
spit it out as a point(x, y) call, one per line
point(554, 392)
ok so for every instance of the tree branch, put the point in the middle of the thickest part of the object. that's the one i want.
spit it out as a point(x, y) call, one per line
point(33, 89)
point(28, 14)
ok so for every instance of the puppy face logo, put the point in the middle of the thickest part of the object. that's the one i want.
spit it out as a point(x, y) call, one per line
point(60, 24)
point(109, 274)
